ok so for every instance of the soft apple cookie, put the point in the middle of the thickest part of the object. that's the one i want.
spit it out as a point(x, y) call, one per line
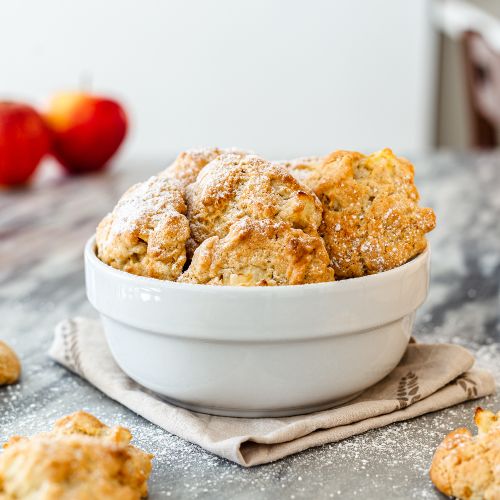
point(188, 164)
point(10, 367)
point(466, 466)
point(372, 221)
point(80, 459)
point(232, 187)
point(301, 168)
point(260, 253)
point(146, 233)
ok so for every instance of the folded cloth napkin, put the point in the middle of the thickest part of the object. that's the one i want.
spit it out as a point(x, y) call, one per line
point(428, 378)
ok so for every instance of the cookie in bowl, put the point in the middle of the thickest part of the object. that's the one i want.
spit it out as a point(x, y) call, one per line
point(372, 221)
point(232, 187)
point(260, 253)
point(301, 168)
point(80, 458)
point(189, 164)
point(146, 233)
point(466, 466)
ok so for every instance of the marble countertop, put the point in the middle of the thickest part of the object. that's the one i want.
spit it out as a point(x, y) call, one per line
point(42, 232)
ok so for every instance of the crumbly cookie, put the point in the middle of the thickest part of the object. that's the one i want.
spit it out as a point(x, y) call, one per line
point(232, 187)
point(80, 459)
point(260, 253)
point(10, 367)
point(188, 164)
point(301, 168)
point(146, 233)
point(372, 221)
point(466, 466)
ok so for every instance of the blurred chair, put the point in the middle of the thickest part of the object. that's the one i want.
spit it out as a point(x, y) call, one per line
point(482, 74)
point(479, 36)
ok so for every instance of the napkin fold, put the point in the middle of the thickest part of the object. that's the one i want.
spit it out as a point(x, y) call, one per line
point(430, 377)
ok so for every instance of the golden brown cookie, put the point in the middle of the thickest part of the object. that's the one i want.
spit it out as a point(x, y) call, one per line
point(146, 233)
point(260, 253)
point(466, 466)
point(80, 459)
point(10, 367)
point(188, 164)
point(232, 187)
point(372, 221)
point(301, 168)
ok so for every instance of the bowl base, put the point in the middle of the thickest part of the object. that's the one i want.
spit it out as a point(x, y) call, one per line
point(282, 412)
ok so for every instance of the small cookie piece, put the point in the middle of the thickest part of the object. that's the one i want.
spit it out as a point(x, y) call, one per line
point(10, 366)
point(301, 168)
point(371, 221)
point(80, 459)
point(188, 164)
point(466, 466)
point(232, 187)
point(146, 233)
point(260, 253)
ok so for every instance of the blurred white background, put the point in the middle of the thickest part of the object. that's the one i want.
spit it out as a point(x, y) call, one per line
point(283, 78)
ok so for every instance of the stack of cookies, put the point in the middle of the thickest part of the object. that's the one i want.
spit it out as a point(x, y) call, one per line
point(227, 217)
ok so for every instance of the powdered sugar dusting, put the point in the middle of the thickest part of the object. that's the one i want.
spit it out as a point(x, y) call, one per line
point(191, 162)
point(232, 187)
point(146, 201)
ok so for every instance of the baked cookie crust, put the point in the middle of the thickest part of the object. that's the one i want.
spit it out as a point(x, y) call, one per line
point(189, 164)
point(80, 459)
point(260, 253)
point(466, 466)
point(232, 187)
point(146, 233)
point(372, 221)
point(10, 366)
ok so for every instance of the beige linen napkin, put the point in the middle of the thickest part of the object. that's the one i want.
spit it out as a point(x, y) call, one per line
point(428, 378)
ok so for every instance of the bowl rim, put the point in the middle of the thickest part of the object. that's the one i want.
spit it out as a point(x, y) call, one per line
point(91, 257)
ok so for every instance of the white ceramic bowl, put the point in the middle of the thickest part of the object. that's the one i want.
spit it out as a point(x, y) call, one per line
point(257, 351)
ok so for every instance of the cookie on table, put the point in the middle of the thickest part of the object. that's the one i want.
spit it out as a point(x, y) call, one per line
point(372, 220)
point(260, 253)
point(10, 366)
point(466, 466)
point(80, 459)
point(188, 164)
point(146, 233)
point(232, 187)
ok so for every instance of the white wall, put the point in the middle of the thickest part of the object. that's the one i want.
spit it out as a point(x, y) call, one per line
point(283, 78)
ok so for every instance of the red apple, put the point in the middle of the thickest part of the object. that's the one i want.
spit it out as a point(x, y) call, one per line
point(24, 141)
point(86, 130)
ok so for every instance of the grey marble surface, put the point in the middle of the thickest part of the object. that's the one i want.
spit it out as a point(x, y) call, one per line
point(42, 232)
